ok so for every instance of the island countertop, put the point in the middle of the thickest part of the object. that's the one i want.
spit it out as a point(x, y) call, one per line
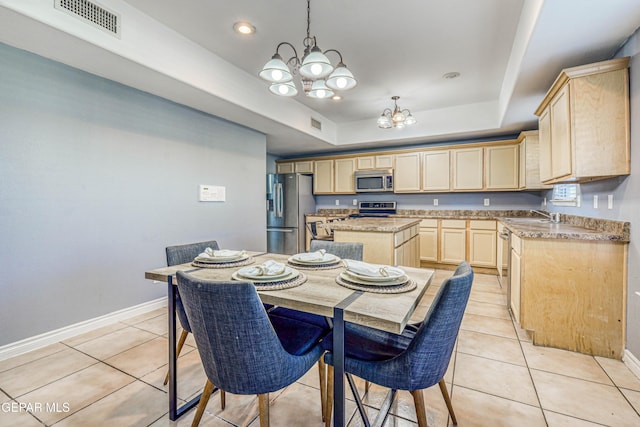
point(377, 225)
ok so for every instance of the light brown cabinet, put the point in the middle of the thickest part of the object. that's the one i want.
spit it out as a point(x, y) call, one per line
point(529, 159)
point(288, 167)
point(570, 294)
point(453, 241)
point(344, 181)
point(305, 167)
point(482, 243)
point(406, 176)
point(323, 177)
point(429, 240)
point(584, 124)
point(501, 167)
point(374, 162)
point(467, 168)
point(436, 170)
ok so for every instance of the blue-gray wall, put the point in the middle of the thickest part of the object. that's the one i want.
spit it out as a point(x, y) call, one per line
point(96, 179)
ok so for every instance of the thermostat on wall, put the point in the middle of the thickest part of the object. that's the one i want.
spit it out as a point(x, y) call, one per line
point(212, 193)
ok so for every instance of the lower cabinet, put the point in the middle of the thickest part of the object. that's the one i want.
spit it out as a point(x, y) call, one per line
point(451, 241)
point(389, 248)
point(570, 294)
point(453, 238)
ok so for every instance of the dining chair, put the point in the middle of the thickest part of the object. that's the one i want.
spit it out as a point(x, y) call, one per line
point(181, 254)
point(344, 250)
point(313, 228)
point(243, 351)
point(412, 361)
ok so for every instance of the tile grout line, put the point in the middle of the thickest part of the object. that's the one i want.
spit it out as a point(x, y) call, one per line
point(624, 396)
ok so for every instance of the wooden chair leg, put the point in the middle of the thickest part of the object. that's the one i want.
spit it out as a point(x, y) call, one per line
point(183, 338)
point(445, 394)
point(263, 405)
point(421, 411)
point(366, 387)
point(329, 399)
point(322, 372)
point(204, 399)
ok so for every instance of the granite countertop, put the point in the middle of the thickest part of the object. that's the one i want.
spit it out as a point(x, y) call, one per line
point(523, 223)
point(378, 225)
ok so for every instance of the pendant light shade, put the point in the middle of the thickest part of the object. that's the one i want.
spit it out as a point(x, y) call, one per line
point(284, 89)
point(320, 90)
point(341, 78)
point(276, 70)
point(315, 65)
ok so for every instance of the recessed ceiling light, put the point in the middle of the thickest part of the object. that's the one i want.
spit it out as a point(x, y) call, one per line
point(336, 97)
point(244, 28)
point(451, 75)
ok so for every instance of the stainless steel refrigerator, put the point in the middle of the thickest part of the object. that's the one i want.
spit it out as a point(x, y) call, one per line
point(289, 197)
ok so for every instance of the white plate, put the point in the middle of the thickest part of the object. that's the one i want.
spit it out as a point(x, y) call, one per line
point(221, 259)
point(394, 273)
point(290, 274)
point(393, 282)
point(326, 259)
point(246, 272)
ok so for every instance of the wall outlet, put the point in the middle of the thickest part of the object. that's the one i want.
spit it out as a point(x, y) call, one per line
point(595, 201)
point(544, 202)
point(610, 201)
point(355, 202)
point(487, 202)
point(337, 202)
point(435, 202)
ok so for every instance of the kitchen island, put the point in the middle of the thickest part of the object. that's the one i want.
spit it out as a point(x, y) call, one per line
point(389, 241)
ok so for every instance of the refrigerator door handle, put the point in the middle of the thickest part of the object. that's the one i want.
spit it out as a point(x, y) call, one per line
point(279, 200)
point(281, 230)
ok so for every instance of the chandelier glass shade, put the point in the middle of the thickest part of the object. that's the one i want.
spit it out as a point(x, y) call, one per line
point(396, 118)
point(319, 78)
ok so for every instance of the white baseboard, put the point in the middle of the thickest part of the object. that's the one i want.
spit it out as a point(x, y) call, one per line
point(52, 337)
point(632, 362)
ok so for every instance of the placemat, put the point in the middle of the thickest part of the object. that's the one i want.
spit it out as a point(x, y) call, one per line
point(279, 285)
point(229, 264)
point(395, 289)
point(329, 266)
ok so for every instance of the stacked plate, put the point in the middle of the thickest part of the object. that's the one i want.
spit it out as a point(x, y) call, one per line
point(254, 274)
point(221, 257)
point(314, 260)
point(395, 281)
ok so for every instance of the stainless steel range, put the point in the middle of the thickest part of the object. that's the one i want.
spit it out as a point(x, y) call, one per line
point(375, 209)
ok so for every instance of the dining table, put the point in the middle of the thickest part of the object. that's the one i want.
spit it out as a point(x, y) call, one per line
point(319, 293)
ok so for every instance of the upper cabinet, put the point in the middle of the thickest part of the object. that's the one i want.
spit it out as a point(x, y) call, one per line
point(467, 170)
point(304, 166)
point(436, 170)
point(285, 167)
point(406, 174)
point(501, 167)
point(323, 177)
point(384, 161)
point(584, 124)
point(529, 158)
point(344, 181)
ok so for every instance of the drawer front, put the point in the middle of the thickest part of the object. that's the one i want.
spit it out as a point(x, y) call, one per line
point(454, 223)
point(429, 223)
point(482, 225)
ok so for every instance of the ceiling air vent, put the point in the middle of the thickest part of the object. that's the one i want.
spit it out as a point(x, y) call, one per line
point(92, 14)
point(316, 124)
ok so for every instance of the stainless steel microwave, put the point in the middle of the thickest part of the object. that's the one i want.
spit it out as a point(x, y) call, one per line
point(374, 181)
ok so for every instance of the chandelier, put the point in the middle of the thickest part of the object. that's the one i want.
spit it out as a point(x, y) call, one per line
point(319, 78)
point(397, 118)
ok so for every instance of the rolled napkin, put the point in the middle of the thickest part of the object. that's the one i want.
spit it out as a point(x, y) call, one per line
point(311, 256)
point(211, 253)
point(267, 268)
point(366, 269)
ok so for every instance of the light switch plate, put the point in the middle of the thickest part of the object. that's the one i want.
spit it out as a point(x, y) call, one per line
point(435, 202)
point(337, 202)
point(355, 202)
point(595, 201)
point(212, 193)
point(610, 201)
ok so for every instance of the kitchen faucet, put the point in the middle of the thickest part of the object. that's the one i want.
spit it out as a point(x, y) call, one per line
point(553, 216)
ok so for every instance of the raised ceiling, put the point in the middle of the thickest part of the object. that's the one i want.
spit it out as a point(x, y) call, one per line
point(508, 52)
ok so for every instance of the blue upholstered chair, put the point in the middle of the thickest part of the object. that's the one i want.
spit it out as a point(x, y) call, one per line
point(181, 254)
point(414, 360)
point(242, 350)
point(345, 250)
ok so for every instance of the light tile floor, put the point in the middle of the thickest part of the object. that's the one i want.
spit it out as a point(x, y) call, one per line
point(113, 377)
